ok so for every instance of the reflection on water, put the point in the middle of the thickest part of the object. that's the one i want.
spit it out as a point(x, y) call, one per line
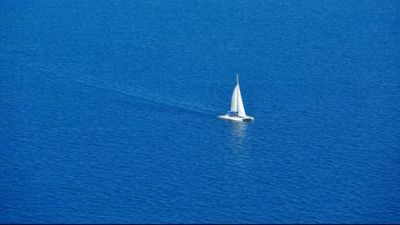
point(238, 139)
point(238, 132)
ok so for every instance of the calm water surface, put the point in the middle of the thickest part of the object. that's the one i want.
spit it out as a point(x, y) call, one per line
point(109, 111)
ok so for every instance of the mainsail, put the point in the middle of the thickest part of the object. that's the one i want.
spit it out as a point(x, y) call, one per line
point(234, 101)
point(237, 101)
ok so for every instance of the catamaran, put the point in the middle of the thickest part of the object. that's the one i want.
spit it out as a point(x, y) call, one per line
point(237, 112)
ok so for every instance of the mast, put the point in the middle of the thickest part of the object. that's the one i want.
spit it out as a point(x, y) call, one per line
point(237, 96)
point(240, 107)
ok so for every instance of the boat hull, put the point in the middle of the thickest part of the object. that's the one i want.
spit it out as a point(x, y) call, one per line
point(237, 118)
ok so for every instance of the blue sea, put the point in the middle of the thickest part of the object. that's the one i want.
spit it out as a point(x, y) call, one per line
point(109, 111)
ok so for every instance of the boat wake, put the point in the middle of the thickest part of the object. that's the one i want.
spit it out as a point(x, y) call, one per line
point(152, 98)
point(136, 92)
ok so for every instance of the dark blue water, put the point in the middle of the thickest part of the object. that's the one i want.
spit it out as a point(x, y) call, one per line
point(109, 111)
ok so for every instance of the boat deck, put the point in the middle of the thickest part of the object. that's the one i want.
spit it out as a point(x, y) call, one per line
point(237, 118)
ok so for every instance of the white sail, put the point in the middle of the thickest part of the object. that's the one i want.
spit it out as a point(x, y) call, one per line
point(240, 106)
point(237, 101)
point(237, 112)
point(234, 101)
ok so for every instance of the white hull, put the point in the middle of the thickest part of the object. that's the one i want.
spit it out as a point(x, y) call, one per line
point(237, 118)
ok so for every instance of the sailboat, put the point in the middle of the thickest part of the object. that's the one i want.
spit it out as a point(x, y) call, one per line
point(237, 112)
